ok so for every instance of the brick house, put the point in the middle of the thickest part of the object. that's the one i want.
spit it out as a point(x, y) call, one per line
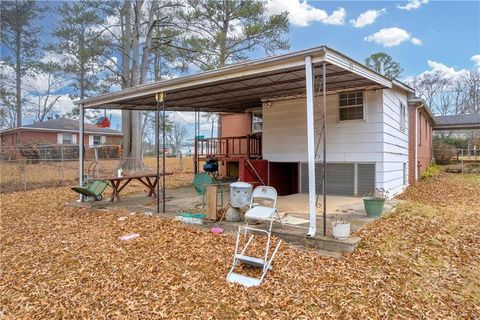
point(60, 131)
point(420, 136)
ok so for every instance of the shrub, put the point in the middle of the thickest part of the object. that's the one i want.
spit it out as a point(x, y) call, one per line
point(432, 171)
point(444, 153)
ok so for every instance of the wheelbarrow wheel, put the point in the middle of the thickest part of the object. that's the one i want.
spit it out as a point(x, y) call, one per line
point(99, 197)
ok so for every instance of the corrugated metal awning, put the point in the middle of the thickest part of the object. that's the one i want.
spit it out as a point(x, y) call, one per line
point(243, 86)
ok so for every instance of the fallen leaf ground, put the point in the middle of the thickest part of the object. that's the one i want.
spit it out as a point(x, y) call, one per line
point(422, 261)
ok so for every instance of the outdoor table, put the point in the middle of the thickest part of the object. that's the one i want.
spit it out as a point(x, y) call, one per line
point(148, 179)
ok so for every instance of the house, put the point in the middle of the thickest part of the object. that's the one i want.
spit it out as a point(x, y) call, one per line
point(312, 111)
point(420, 135)
point(347, 176)
point(59, 131)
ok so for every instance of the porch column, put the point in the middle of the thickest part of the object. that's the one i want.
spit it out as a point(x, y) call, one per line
point(312, 208)
point(324, 165)
point(164, 144)
point(157, 148)
point(80, 146)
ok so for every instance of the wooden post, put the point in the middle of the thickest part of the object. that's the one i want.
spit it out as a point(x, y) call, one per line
point(248, 146)
point(211, 205)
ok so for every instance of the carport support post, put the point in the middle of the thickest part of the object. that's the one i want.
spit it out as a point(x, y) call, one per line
point(80, 146)
point(312, 208)
point(163, 153)
point(324, 182)
point(157, 149)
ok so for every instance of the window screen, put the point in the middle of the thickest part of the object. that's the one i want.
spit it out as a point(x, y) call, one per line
point(66, 138)
point(351, 106)
point(97, 140)
point(257, 121)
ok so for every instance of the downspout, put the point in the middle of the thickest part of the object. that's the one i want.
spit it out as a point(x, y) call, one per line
point(416, 144)
point(310, 148)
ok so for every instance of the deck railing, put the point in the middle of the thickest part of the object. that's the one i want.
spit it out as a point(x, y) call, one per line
point(249, 147)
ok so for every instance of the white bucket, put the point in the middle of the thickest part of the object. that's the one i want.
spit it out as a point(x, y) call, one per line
point(341, 230)
point(240, 194)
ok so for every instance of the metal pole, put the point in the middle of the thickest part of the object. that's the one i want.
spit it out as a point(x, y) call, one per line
point(462, 161)
point(163, 153)
point(80, 147)
point(63, 164)
point(311, 148)
point(157, 149)
point(324, 98)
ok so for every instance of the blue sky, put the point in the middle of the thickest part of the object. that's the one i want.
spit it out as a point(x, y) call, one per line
point(448, 30)
point(421, 35)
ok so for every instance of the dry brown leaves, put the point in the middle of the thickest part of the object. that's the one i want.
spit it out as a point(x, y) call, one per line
point(60, 262)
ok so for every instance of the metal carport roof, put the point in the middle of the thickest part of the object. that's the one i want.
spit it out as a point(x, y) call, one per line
point(243, 86)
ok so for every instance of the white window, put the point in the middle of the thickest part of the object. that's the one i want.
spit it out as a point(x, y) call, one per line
point(351, 106)
point(97, 140)
point(403, 116)
point(257, 121)
point(67, 138)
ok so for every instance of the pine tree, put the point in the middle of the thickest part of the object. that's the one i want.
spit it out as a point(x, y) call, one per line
point(21, 37)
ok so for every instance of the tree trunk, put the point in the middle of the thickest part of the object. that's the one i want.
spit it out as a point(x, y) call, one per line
point(133, 75)
point(18, 80)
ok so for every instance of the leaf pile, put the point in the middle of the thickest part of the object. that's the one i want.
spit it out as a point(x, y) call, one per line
point(60, 262)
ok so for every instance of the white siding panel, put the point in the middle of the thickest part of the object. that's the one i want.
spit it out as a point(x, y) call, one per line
point(285, 133)
point(395, 141)
point(378, 139)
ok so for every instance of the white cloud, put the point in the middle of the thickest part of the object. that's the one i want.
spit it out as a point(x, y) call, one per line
point(416, 41)
point(391, 37)
point(412, 5)
point(337, 17)
point(447, 72)
point(367, 17)
point(476, 59)
point(301, 14)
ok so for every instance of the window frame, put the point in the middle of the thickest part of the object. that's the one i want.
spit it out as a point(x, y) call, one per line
point(99, 140)
point(258, 112)
point(363, 105)
point(70, 141)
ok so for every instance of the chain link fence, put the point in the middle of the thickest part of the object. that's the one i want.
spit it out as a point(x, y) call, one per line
point(25, 168)
point(458, 160)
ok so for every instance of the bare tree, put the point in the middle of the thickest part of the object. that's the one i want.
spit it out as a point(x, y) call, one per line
point(8, 112)
point(176, 137)
point(45, 94)
point(449, 95)
point(212, 118)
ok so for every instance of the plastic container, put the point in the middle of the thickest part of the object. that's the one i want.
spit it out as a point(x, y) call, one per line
point(240, 194)
point(373, 206)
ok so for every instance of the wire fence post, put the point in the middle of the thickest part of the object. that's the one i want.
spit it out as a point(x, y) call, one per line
point(63, 165)
point(25, 175)
point(462, 161)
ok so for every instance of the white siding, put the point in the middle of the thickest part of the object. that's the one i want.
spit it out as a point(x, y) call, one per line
point(285, 132)
point(377, 139)
point(395, 142)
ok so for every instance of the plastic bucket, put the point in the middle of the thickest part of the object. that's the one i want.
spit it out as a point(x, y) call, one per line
point(373, 206)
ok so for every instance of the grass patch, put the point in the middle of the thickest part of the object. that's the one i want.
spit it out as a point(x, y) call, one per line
point(431, 171)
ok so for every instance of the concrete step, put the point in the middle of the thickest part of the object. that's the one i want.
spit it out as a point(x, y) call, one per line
point(327, 243)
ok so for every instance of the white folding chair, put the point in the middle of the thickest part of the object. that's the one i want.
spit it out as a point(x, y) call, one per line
point(260, 211)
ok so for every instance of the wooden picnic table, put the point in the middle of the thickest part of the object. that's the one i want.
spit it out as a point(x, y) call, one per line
point(149, 180)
